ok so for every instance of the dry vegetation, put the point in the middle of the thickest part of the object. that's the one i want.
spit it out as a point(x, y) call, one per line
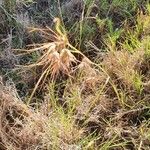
point(83, 82)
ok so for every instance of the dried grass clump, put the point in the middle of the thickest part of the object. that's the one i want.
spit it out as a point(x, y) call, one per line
point(19, 127)
point(56, 56)
point(22, 127)
point(123, 67)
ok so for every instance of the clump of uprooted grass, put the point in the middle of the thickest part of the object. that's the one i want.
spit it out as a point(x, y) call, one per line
point(56, 56)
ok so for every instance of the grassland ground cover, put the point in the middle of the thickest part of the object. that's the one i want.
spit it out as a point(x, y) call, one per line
point(75, 75)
